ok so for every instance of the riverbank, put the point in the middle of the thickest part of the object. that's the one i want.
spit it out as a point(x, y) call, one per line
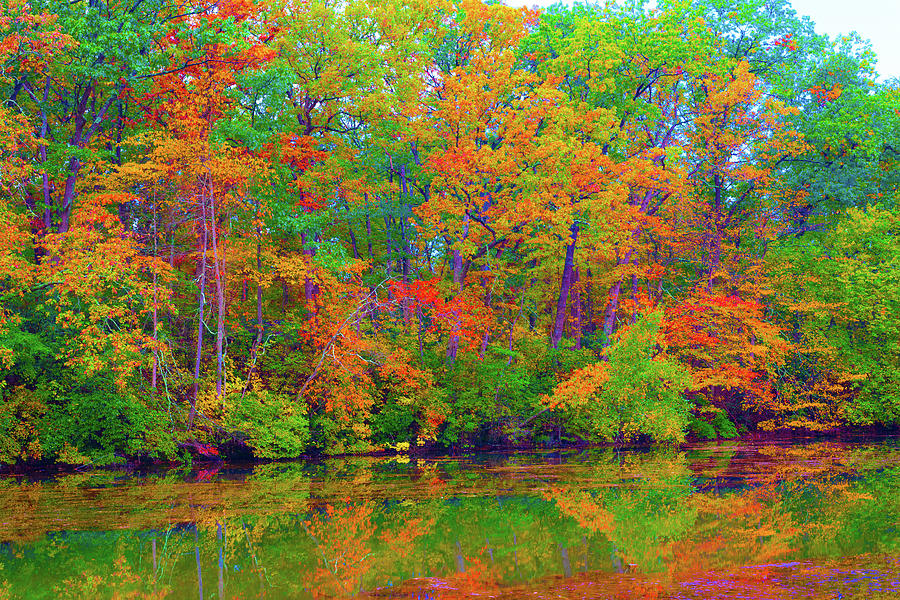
point(208, 455)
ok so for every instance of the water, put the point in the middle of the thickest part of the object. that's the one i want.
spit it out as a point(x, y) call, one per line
point(714, 521)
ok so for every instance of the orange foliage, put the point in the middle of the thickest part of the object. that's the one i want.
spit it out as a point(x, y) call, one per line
point(729, 346)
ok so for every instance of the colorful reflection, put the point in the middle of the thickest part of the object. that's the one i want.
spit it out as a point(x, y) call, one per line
point(788, 521)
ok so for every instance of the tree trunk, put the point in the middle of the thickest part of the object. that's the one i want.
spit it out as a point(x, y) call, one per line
point(576, 309)
point(310, 288)
point(201, 299)
point(369, 229)
point(566, 563)
point(421, 329)
point(219, 270)
point(404, 242)
point(47, 219)
point(459, 275)
point(609, 317)
point(590, 327)
point(634, 289)
point(285, 296)
point(259, 290)
point(65, 209)
point(316, 289)
point(155, 303)
point(565, 285)
point(453, 343)
point(352, 240)
point(714, 236)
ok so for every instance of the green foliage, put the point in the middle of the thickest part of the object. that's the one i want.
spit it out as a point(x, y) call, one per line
point(709, 422)
point(271, 423)
point(642, 395)
point(474, 406)
point(50, 411)
point(849, 299)
point(487, 398)
point(723, 426)
point(102, 423)
point(27, 352)
point(553, 363)
point(701, 429)
point(393, 423)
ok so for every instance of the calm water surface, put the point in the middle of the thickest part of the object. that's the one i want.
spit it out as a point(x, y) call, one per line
point(718, 521)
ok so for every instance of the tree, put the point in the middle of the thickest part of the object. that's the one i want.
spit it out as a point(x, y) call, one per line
point(636, 392)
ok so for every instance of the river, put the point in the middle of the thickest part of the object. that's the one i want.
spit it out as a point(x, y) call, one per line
point(799, 520)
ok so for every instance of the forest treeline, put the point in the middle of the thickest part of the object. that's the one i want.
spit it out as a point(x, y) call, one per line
point(289, 226)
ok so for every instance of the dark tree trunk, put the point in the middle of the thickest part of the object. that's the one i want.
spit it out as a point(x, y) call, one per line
point(590, 326)
point(609, 316)
point(714, 236)
point(369, 229)
point(577, 325)
point(352, 240)
point(460, 268)
point(564, 288)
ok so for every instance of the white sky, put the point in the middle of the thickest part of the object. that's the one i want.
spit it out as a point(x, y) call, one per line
point(875, 20)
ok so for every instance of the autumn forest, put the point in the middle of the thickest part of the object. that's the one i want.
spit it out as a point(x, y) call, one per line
point(275, 228)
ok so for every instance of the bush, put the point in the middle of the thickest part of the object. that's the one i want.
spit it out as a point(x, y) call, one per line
point(97, 420)
point(636, 393)
point(271, 423)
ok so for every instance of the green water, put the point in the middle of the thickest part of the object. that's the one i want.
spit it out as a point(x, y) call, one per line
point(787, 521)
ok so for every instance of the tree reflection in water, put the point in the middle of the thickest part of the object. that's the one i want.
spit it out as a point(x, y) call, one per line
point(798, 521)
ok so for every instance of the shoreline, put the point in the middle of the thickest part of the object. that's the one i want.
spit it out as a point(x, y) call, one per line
point(756, 438)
